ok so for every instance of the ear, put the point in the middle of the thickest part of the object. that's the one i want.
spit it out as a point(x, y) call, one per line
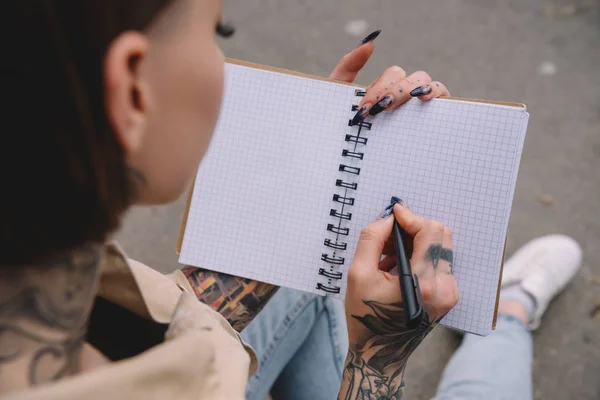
point(125, 93)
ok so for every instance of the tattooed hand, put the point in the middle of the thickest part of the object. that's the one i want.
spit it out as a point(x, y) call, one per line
point(380, 343)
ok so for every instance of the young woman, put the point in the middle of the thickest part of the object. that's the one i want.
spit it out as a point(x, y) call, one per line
point(111, 104)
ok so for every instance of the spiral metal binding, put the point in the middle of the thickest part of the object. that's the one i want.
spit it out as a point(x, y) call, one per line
point(366, 125)
point(356, 139)
point(332, 275)
point(335, 213)
point(328, 289)
point(332, 260)
point(349, 185)
point(343, 199)
point(349, 201)
point(349, 169)
point(334, 245)
point(353, 154)
point(338, 230)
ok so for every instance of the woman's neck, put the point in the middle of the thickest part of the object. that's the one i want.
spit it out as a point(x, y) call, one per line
point(44, 310)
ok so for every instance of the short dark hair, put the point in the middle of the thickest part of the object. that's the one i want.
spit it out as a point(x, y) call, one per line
point(63, 172)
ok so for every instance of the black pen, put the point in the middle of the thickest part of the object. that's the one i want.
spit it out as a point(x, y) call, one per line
point(409, 283)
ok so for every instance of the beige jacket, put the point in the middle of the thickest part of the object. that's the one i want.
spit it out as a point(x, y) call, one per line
point(165, 343)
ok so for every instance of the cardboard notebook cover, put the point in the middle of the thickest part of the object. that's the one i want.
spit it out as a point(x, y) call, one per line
point(300, 74)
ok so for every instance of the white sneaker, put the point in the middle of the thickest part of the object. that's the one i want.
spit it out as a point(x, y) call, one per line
point(543, 267)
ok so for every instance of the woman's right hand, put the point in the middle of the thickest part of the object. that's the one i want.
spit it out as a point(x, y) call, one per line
point(380, 343)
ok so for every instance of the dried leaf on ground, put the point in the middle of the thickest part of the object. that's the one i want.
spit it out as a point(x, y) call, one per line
point(545, 199)
point(593, 280)
point(555, 11)
point(595, 314)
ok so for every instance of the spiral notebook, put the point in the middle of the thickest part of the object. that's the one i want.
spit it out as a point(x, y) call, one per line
point(287, 184)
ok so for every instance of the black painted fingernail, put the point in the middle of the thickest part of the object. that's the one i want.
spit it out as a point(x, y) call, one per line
point(387, 212)
point(420, 91)
point(381, 105)
point(396, 200)
point(371, 36)
point(390, 209)
point(360, 115)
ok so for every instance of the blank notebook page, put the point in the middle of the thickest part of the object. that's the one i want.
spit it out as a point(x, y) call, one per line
point(456, 162)
point(263, 191)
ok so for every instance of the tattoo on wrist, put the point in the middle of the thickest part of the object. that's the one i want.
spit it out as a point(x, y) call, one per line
point(375, 367)
point(239, 300)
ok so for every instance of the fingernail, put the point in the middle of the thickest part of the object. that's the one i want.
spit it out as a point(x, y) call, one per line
point(371, 36)
point(387, 212)
point(390, 208)
point(361, 114)
point(420, 91)
point(396, 200)
point(381, 105)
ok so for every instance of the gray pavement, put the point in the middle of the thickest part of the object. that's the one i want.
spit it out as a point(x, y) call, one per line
point(545, 54)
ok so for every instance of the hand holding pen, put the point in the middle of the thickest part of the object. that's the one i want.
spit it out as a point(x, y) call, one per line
point(378, 325)
point(386, 323)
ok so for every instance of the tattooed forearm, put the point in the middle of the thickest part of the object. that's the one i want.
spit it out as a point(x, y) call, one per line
point(374, 369)
point(237, 299)
point(44, 312)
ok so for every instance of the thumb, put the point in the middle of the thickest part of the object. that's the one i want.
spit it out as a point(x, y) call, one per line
point(353, 62)
point(371, 243)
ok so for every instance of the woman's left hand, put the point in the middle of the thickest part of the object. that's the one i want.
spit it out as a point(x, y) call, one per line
point(392, 89)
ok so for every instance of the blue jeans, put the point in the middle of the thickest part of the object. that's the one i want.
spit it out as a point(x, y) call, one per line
point(301, 342)
point(495, 367)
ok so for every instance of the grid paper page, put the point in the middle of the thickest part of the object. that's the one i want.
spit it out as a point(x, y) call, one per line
point(456, 162)
point(263, 191)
